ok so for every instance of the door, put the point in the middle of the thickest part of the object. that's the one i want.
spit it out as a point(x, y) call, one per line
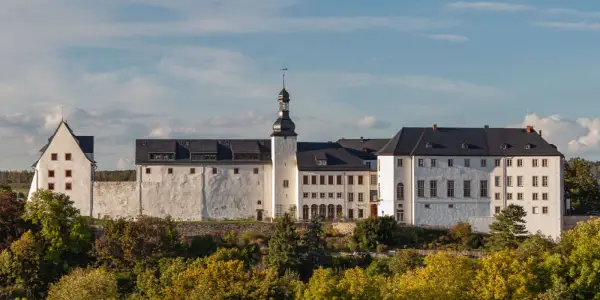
point(259, 216)
point(373, 210)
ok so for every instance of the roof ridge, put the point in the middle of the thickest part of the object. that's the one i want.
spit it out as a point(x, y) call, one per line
point(418, 141)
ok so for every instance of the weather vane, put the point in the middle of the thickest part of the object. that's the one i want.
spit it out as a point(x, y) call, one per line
point(283, 75)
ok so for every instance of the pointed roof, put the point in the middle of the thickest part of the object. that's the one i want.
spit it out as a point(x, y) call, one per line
point(284, 95)
point(86, 143)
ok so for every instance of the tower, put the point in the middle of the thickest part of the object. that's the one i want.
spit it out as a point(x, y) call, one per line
point(283, 156)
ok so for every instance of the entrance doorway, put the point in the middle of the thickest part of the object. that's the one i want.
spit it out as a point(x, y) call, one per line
point(259, 215)
point(373, 210)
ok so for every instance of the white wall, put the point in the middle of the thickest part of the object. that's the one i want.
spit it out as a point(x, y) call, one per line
point(81, 170)
point(283, 155)
point(390, 174)
point(116, 199)
point(344, 188)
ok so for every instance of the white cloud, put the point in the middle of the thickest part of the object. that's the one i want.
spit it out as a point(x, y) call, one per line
point(572, 137)
point(572, 13)
point(584, 26)
point(447, 37)
point(371, 122)
point(490, 6)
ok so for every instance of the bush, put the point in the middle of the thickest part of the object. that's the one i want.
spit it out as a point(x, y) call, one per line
point(199, 246)
point(461, 232)
point(475, 241)
point(404, 261)
point(373, 231)
point(381, 248)
point(85, 284)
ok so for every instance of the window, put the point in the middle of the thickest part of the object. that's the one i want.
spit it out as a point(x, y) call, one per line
point(313, 195)
point(400, 215)
point(330, 195)
point(545, 162)
point(420, 162)
point(322, 195)
point(368, 164)
point(51, 186)
point(544, 180)
point(467, 188)
point(519, 196)
point(433, 162)
point(497, 209)
point(508, 196)
point(421, 188)
point(373, 179)
point(350, 197)
point(432, 188)
point(67, 156)
point(255, 171)
point(509, 162)
point(544, 196)
point(361, 197)
point(278, 210)
point(450, 205)
point(534, 181)
point(483, 163)
point(305, 179)
point(313, 179)
point(148, 170)
point(68, 173)
point(304, 195)
point(214, 170)
point(519, 162)
point(286, 183)
point(330, 180)
point(305, 212)
point(519, 180)
point(497, 181)
point(450, 189)
point(54, 156)
point(170, 170)
point(534, 210)
point(400, 205)
point(50, 173)
point(339, 179)
point(360, 179)
point(400, 163)
point(534, 162)
point(545, 210)
point(360, 213)
point(450, 162)
point(508, 180)
point(322, 180)
point(192, 170)
point(497, 162)
point(467, 162)
point(427, 206)
point(339, 195)
point(68, 186)
point(400, 191)
point(497, 196)
point(351, 214)
point(350, 180)
point(534, 196)
point(483, 188)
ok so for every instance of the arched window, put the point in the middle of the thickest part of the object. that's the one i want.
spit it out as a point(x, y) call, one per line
point(400, 191)
point(305, 212)
point(330, 211)
point(314, 210)
point(338, 212)
point(322, 211)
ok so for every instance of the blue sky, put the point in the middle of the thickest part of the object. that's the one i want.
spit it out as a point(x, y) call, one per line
point(190, 68)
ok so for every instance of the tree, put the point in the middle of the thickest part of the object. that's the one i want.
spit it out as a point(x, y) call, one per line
point(507, 228)
point(63, 229)
point(404, 261)
point(284, 250)
point(85, 284)
point(11, 223)
point(357, 284)
point(581, 186)
point(322, 285)
point(314, 245)
point(373, 231)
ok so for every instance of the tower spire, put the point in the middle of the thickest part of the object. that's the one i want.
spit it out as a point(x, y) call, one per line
point(284, 126)
point(283, 76)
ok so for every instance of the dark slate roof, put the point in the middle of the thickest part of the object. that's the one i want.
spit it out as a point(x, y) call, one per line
point(337, 157)
point(183, 150)
point(446, 141)
point(363, 148)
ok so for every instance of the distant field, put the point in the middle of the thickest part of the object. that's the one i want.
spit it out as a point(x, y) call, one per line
point(20, 187)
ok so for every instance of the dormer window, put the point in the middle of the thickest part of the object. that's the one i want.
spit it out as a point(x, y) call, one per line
point(527, 146)
point(161, 156)
point(428, 145)
point(504, 146)
point(321, 162)
point(464, 145)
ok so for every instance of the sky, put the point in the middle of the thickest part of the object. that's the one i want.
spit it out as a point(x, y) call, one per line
point(127, 69)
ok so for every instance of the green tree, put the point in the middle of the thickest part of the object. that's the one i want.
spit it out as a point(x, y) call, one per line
point(11, 223)
point(581, 186)
point(23, 267)
point(314, 245)
point(62, 228)
point(404, 261)
point(373, 231)
point(284, 249)
point(321, 286)
point(507, 228)
point(85, 284)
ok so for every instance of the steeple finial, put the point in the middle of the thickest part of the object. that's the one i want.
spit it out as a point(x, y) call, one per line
point(283, 75)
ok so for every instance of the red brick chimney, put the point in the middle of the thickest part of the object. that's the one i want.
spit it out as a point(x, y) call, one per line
point(529, 128)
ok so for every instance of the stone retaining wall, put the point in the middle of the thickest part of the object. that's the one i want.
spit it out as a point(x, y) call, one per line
point(570, 221)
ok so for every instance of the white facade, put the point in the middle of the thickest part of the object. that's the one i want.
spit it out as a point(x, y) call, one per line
point(284, 174)
point(433, 189)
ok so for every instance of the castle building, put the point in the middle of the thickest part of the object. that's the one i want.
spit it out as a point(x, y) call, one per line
point(432, 176)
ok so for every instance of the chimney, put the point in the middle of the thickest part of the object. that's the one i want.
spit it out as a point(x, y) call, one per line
point(486, 126)
point(529, 128)
point(434, 127)
point(540, 132)
point(362, 140)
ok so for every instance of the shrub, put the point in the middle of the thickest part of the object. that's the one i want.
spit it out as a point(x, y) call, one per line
point(85, 284)
point(381, 248)
point(461, 232)
point(404, 261)
point(199, 246)
point(373, 231)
